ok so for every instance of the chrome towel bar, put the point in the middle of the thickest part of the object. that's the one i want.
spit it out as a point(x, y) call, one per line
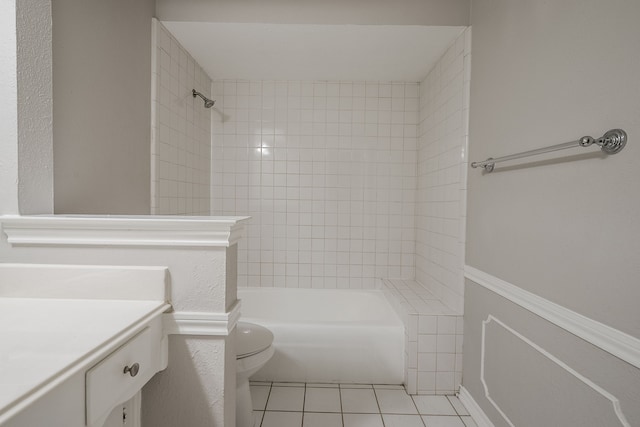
point(610, 143)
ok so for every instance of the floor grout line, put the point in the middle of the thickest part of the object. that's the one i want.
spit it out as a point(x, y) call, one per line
point(303, 411)
point(304, 401)
point(341, 407)
point(378, 403)
point(265, 404)
point(417, 410)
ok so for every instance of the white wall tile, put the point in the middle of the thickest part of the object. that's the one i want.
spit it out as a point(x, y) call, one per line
point(441, 175)
point(332, 163)
point(181, 132)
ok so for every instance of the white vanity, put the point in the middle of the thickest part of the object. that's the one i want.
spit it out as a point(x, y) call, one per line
point(78, 341)
point(69, 331)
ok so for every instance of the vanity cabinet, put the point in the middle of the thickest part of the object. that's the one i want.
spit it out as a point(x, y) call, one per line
point(98, 392)
point(121, 374)
point(126, 414)
point(68, 362)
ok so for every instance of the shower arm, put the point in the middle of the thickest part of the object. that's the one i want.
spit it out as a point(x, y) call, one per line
point(208, 103)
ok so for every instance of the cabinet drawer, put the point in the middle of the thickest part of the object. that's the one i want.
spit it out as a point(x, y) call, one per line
point(107, 383)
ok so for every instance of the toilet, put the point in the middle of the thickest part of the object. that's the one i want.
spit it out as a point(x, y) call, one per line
point(253, 350)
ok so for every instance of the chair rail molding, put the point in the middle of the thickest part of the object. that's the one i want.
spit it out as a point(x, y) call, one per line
point(611, 340)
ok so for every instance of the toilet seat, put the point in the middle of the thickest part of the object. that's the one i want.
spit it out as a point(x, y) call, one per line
point(251, 339)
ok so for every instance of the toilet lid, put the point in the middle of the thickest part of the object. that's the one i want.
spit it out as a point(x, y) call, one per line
point(251, 339)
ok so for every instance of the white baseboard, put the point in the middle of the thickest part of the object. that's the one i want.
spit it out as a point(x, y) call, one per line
point(474, 409)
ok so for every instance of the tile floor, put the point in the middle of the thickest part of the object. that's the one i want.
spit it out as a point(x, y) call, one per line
point(348, 405)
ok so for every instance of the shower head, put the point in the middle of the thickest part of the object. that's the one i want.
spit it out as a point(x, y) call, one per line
point(208, 103)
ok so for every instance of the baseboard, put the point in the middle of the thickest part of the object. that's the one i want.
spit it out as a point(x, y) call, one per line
point(474, 409)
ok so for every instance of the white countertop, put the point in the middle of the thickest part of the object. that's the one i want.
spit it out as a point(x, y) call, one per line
point(42, 340)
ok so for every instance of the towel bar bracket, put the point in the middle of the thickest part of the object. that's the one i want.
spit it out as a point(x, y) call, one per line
point(612, 141)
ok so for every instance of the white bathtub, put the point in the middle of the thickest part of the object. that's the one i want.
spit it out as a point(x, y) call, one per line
point(321, 335)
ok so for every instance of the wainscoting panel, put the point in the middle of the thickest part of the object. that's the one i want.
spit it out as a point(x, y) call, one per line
point(525, 381)
point(529, 362)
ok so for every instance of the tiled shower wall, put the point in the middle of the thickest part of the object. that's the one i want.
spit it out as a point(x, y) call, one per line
point(327, 170)
point(442, 174)
point(180, 130)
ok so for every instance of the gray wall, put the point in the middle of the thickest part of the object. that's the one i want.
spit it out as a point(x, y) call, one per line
point(371, 12)
point(102, 107)
point(567, 229)
point(563, 226)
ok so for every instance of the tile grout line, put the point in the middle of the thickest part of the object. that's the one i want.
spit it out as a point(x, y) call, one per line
point(265, 404)
point(454, 407)
point(379, 408)
point(417, 410)
point(304, 400)
point(341, 407)
point(342, 413)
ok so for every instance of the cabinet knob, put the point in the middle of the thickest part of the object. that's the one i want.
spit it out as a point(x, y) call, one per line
point(132, 370)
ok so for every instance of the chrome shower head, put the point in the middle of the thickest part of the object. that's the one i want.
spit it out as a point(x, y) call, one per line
point(208, 103)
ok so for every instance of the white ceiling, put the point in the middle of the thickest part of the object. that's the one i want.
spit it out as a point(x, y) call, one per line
point(314, 52)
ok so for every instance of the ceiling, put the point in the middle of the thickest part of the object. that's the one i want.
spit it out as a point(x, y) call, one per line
point(314, 52)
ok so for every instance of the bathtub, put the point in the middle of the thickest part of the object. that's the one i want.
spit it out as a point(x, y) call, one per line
point(328, 336)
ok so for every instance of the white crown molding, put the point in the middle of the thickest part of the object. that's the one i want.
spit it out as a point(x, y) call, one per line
point(474, 409)
point(204, 324)
point(615, 403)
point(140, 231)
point(611, 340)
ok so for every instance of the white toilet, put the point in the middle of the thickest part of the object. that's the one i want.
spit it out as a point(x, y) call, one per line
point(253, 350)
